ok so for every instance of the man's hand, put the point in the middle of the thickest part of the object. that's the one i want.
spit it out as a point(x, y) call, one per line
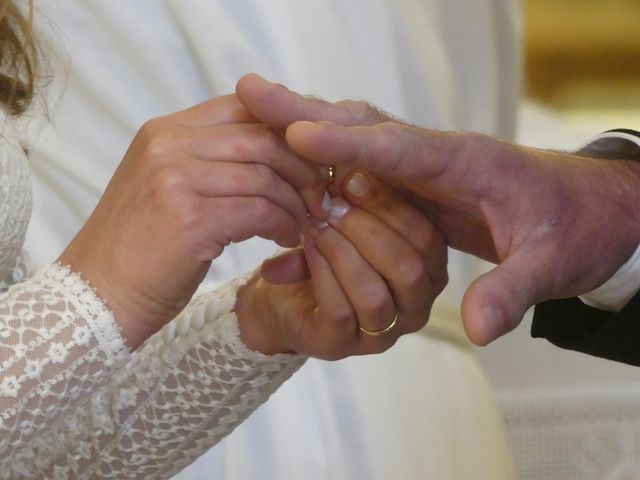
point(558, 225)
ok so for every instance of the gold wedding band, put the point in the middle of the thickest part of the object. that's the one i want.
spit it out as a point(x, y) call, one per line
point(377, 333)
point(332, 173)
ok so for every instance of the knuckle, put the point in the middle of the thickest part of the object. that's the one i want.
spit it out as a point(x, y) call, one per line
point(236, 180)
point(342, 316)
point(412, 272)
point(167, 179)
point(333, 249)
point(377, 302)
point(168, 194)
point(154, 136)
point(426, 238)
point(159, 148)
point(265, 211)
point(265, 136)
point(151, 127)
point(263, 139)
point(393, 140)
point(264, 177)
point(480, 140)
point(363, 112)
point(423, 242)
point(188, 221)
point(469, 145)
point(255, 138)
point(185, 217)
point(391, 133)
point(392, 126)
point(342, 320)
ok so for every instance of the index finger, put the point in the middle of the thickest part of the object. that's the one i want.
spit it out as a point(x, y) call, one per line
point(215, 111)
point(389, 149)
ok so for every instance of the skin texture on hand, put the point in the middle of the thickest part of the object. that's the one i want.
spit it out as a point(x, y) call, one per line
point(557, 225)
point(357, 268)
point(190, 183)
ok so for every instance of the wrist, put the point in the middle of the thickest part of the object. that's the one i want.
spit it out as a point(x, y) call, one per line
point(620, 149)
point(631, 181)
point(615, 196)
point(619, 280)
point(617, 153)
point(136, 324)
point(256, 318)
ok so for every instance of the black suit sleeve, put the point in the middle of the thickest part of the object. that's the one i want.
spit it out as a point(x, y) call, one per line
point(571, 324)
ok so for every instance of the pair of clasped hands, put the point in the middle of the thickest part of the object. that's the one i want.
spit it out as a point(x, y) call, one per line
point(373, 254)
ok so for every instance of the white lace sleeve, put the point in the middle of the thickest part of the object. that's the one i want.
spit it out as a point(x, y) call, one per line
point(186, 388)
point(58, 343)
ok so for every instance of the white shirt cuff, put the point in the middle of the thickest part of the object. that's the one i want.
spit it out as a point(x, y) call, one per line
point(616, 292)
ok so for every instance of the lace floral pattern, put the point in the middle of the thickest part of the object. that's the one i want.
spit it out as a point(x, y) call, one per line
point(58, 343)
point(185, 389)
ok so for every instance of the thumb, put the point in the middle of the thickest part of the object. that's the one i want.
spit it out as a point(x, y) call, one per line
point(288, 267)
point(496, 302)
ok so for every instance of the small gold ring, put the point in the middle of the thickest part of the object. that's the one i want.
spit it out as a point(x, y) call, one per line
point(377, 333)
point(332, 173)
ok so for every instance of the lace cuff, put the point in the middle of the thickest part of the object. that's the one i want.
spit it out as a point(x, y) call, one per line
point(182, 391)
point(218, 306)
point(91, 308)
point(58, 344)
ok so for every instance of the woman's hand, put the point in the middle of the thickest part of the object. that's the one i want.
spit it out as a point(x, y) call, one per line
point(190, 184)
point(376, 257)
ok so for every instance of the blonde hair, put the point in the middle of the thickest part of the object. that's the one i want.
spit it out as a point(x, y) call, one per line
point(18, 56)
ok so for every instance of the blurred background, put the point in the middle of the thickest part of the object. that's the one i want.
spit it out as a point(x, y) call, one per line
point(583, 64)
point(568, 415)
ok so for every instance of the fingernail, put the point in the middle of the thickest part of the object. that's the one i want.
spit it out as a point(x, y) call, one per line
point(339, 208)
point(306, 123)
point(358, 185)
point(317, 223)
point(311, 126)
point(277, 84)
point(327, 202)
point(314, 227)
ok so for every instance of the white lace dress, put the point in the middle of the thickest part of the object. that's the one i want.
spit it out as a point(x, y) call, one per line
point(75, 403)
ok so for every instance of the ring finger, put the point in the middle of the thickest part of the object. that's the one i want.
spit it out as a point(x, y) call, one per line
point(365, 289)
